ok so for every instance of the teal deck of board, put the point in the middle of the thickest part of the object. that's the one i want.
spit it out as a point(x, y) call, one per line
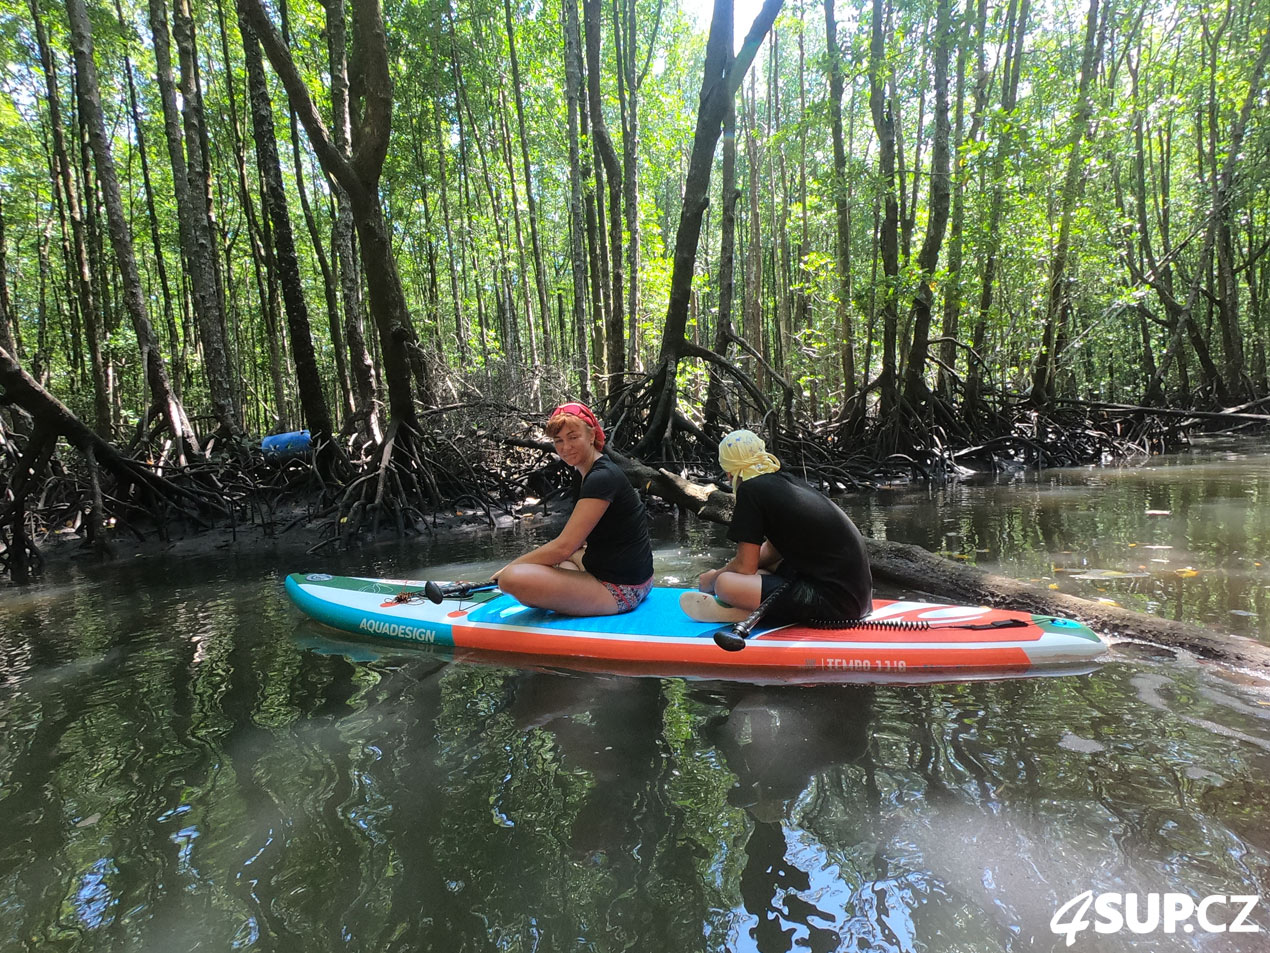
point(659, 614)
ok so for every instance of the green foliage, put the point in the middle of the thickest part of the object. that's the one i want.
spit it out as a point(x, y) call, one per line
point(455, 191)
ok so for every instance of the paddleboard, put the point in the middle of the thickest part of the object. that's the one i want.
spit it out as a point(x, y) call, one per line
point(899, 637)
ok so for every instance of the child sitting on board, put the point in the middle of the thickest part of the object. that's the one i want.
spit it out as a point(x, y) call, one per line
point(786, 532)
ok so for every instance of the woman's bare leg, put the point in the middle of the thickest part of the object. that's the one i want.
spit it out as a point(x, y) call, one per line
point(571, 592)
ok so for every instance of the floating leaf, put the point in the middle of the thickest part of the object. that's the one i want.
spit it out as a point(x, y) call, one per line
point(1187, 572)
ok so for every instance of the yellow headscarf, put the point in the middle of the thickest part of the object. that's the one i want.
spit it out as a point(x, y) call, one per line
point(743, 454)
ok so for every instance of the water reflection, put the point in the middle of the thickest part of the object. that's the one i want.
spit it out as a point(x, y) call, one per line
point(776, 742)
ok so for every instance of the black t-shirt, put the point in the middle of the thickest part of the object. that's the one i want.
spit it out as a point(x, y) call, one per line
point(816, 540)
point(618, 549)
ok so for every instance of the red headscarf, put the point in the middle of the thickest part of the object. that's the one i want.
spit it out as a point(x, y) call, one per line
point(583, 413)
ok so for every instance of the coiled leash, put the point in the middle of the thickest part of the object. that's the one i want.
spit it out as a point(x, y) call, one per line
point(732, 638)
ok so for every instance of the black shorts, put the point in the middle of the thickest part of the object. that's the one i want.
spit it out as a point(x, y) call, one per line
point(801, 602)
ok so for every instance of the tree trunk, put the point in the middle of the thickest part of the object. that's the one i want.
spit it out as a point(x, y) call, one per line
point(1057, 297)
point(531, 201)
point(201, 253)
point(1227, 292)
point(330, 287)
point(634, 81)
point(359, 176)
point(951, 325)
point(1183, 314)
point(884, 126)
point(522, 267)
point(78, 260)
point(54, 419)
point(160, 261)
point(121, 239)
point(752, 308)
point(720, 83)
point(312, 399)
point(1016, 30)
point(259, 239)
point(915, 390)
point(456, 264)
point(723, 333)
point(842, 206)
point(7, 317)
point(577, 219)
point(779, 210)
point(363, 367)
point(615, 333)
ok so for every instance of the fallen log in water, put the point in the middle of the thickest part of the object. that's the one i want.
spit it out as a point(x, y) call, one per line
point(915, 568)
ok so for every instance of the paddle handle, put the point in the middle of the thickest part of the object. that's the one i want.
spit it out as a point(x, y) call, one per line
point(436, 593)
point(732, 638)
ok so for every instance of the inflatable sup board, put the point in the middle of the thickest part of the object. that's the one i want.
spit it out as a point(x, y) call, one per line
point(898, 638)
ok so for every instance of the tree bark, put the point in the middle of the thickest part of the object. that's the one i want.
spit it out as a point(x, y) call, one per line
point(1016, 30)
point(630, 81)
point(531, 200)
point(884, 126)
point(121, 237)
point(915, 390)
point(719, 85)
point(1057, 296)
point(723, 333)
point(160, 261)
point(202, 253)
point(842, 206)
point(752, 306)
point(312, 399)
point(577, 215)
point(615, 332)
point(359, 175)
point(79, 260)
point(951, 325)
point(7, 318)
point(363, 367)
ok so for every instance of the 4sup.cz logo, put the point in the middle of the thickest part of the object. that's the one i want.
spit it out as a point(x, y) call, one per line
point(1152, 912)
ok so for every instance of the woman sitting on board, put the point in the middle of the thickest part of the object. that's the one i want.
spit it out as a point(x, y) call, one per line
point(602, 561)
point(785, 532)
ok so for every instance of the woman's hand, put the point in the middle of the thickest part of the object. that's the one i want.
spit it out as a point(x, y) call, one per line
point(705, 582)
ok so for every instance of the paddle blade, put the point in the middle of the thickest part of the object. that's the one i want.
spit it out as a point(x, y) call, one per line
point(433, 592)
point(727, 639)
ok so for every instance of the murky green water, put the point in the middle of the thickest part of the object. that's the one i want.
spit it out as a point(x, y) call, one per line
point(186, 763)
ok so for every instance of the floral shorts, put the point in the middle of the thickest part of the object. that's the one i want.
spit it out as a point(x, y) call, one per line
point(628, 597)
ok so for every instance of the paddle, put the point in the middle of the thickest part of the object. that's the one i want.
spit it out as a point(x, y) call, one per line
point(436, 593)
point(731, 638)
